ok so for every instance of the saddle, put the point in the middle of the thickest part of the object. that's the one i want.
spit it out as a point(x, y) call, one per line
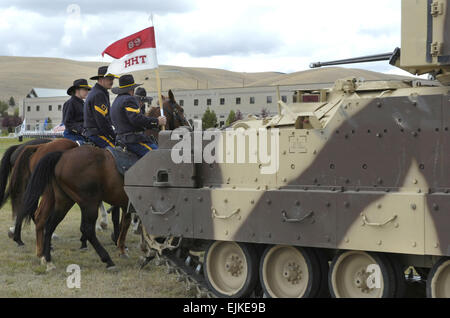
point(124, 159)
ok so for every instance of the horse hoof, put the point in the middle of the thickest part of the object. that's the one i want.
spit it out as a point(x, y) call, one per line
point(50, 267)
point(43, 261)
point(83, 249)
point(112, 268)
point(124, 256)
point(20, 244)
point(103, 225)
point(55, 236)
point(10, 234)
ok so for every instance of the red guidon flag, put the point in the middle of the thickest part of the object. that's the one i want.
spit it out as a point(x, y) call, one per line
point(134, 53)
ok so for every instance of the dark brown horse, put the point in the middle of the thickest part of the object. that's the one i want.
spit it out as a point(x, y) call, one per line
point(173, 112)
point(86, 176)
point(21, 173)
point(24, 165)
point(8, 161)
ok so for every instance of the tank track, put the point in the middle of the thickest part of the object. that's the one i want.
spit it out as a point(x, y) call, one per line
point(187, 271)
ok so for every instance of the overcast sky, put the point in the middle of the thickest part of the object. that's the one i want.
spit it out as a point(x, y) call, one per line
point(237, 35)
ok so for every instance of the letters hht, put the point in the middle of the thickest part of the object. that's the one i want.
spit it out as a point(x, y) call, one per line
point(136, 61)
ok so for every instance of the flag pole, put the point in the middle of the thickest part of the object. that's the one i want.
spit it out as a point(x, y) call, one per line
point(158, 80)
point(158, 85)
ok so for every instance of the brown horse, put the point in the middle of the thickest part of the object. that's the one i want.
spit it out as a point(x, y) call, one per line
point(21, 173)
point(86, 176)
point(173, 112)
point(24, 165)
point(7, 164)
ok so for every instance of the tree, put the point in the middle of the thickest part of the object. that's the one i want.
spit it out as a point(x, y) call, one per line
point(3, 108)
point(231, 118)
point(49, 123)
point(12, 102)
point(11, 122)
point(264, 113)
point(16, 112)
point(209, 119)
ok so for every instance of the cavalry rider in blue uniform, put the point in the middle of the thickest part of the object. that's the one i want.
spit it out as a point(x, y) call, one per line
point(129, 120)
point(97, 121)
point(73, 111)
point(141, 95)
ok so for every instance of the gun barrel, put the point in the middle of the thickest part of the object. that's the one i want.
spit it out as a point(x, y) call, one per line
point(363, 59)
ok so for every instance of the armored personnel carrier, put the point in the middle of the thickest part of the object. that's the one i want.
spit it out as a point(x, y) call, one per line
point(337, 195)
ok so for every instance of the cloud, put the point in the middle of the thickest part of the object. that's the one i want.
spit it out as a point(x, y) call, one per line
point(98, 7)
point(251, 35)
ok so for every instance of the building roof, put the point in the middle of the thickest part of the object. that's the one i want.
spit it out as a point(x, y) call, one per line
point(46, 92)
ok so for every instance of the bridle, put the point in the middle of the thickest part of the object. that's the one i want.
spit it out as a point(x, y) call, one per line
point(174, 114)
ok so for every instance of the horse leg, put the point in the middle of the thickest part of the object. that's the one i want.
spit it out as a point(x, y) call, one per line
point(115, 216)
point(40, 219)
point(89, 219)
point(56, 218)
point(83, 240)
point(61, 207)
point(124, 226)
point(104, 218)
point(11, 229)
point(17, 237)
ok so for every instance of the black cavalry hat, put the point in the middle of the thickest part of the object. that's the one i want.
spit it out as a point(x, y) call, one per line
point(79, 83)
point(102, 70)
point(141, 94)
point(126, 84)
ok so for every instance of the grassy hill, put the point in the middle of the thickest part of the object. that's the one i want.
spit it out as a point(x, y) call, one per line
point(19, 74)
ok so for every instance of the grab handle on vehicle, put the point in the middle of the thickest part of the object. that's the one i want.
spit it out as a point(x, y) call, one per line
point(162, 179)
point(287, 220)
point(161, 213)
point(366, 222)
point(222, 217)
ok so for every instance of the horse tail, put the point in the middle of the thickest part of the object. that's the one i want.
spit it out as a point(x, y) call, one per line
point(5, 170)
point(41, 177)
point(19, 177)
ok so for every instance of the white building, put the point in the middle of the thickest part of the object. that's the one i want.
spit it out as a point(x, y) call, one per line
point(42, 104)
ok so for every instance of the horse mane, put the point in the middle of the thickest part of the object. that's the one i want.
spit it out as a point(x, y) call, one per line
point(154, 112)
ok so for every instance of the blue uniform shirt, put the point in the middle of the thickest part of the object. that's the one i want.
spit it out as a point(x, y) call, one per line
point(96, 113)
point(127, 117)
point(73, 115)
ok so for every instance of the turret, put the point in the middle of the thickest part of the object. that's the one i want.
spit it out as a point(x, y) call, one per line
point(425, 45)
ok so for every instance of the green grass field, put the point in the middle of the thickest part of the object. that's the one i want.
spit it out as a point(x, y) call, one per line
point(21, 274)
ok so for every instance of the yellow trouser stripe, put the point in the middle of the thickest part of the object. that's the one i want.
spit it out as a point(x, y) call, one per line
point(101, 111)
point(146, 146)
point(134, 110)
point(107, 140)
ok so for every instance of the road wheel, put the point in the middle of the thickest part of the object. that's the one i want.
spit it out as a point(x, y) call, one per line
point(231, 269)
point(357, 274)
point(289, 272)
point(438, 282)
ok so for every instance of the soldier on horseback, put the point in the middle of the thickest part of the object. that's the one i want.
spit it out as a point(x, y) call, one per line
point(129, 120)
point(73, 111)
point(141, 95)
point(97, 122)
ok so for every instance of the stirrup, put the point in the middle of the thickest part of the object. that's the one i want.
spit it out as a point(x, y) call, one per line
point(120, 146)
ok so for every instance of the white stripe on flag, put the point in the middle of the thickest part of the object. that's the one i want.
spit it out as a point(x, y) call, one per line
point(139, 60)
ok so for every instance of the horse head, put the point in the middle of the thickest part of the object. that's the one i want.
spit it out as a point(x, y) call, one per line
point(172, 110)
